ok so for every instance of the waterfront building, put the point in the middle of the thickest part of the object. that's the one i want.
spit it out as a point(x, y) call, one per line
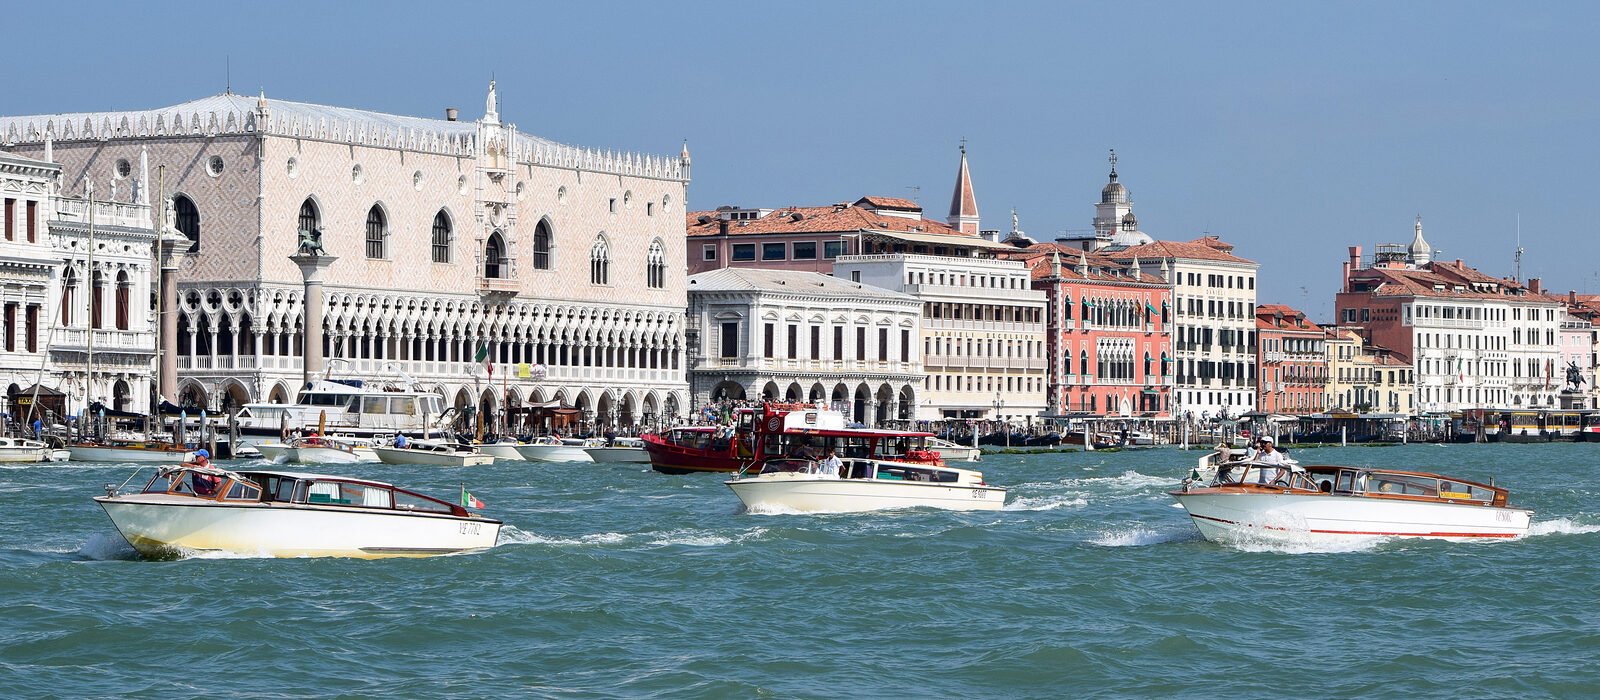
point(982, 328)
point(1108, 333)
point(78, 325)
point(1586, 307)
point(1291, 364)
point(787, 335)
point(1476, 341)
point(448, 239)
point(1577, 356)
point(1213, 297)
point(1365, 379)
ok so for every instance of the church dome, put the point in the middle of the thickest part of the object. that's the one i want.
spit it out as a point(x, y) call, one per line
point(1130, 222)
point(1114, 192)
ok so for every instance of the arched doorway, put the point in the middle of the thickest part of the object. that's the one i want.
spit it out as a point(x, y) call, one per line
point(234, 395)
point(885, 397)
point(727, 390)
point(817, 393)
point(841, 398)
point(670, 408)
point(770, 391)
point(863, 404)
point(278, 394)
point(494, 253)
point(603, 409)
point(627, 417)
point(793, 393)
point(908, 403)
point(192, 397)
point(121, 395)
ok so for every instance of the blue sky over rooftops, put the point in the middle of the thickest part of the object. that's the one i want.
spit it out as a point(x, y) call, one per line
point(1290, 129)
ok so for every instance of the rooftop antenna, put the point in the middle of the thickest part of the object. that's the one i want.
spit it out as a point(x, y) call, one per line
point(227, 75)
point(916, 193)
point(1517, 276)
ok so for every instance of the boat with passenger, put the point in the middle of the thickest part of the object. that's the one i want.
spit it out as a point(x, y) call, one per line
point(549, 448)
point(1251, 500)
point(777, 431)
point(289, 514)
point(954, 452)
point(433, 452)
point(329, 449)
point(860, 484)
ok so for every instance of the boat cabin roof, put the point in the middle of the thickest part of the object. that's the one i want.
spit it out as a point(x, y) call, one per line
point(310, 476)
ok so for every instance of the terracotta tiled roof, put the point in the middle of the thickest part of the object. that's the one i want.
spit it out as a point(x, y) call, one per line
point(890, 203)
point(1038, 257)
point(1268, 315)
point(833, 219)
point(1440, 280)
point(1204, 248)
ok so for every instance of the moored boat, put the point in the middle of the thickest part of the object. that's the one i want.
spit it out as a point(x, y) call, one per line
point(143, 452)
point(1253, 501)
point(864, 485)
point(438, 453)
point(329, 449)
point(14, 450)
point(290, 514)
point(553, 449)
point(502, 451)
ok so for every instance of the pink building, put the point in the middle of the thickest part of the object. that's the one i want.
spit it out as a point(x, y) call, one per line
point(1292, 369)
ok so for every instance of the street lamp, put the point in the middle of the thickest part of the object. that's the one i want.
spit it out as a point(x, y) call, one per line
point(1000, 403)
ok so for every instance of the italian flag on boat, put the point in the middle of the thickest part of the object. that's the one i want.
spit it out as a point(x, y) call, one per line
point(468, 500)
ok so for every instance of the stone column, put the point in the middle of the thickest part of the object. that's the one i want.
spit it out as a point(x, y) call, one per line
point(311, 268)
point(168, 314)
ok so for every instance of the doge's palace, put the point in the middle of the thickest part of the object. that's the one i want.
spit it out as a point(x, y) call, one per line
point(450, 237)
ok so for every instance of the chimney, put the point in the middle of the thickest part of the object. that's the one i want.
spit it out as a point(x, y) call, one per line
point(722, 226)
point(1533, 285)
point(1572, 297)
point(1351, 265)
point(451, 113)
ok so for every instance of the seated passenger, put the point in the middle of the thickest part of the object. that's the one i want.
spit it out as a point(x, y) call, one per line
point(204, 484)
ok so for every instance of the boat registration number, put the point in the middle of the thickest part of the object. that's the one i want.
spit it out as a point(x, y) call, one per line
point(980, 493)
point(471, 528)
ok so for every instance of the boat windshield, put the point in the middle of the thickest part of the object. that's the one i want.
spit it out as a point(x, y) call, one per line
point(776, 466)
point(186, 482)
point(1266, 475)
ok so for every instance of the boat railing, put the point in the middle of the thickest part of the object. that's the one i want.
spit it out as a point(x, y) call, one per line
point(113, 489)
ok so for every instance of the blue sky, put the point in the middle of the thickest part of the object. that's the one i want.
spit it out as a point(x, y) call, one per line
point(1290, 129)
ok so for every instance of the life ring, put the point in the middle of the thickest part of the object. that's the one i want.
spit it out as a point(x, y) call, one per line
point(775, 424)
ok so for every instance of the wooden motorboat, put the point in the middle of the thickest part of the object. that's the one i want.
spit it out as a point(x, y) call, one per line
point(116, 451)
point(1250, 500)
point(330, 449)
point(624, 450)
point(549, 448)
point(21, 450)
point(289, 514)
point(863, 485)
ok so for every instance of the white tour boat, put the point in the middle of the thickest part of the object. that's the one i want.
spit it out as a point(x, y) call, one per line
point(553, 449)
point(438, 453)
point(1254, 501)
point(864, 485)
point(619, 450)
point(290, 514)
point(14, 449)
point(362, 407)
point(331, 449)
point(953, 452)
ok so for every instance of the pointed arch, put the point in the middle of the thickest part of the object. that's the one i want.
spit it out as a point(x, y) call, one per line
point(377, 237)
point(600, 261)
point(186, 218)
point(310, 216)
point(494, 253)
point(655, 271)
point(443, 236)
point(543, 244)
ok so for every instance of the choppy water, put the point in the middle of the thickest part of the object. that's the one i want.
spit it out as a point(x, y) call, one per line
point(616, 581)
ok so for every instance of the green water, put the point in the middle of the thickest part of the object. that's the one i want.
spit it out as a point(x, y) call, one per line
point(614, 581)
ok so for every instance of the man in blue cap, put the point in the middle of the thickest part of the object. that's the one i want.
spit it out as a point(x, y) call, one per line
point(204, 484)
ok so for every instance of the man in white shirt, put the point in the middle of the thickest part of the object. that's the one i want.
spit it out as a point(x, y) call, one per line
point(1272, 459)
point(830, 464)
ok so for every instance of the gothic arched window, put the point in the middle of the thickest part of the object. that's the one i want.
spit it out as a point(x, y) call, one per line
point(494, 253)
point(377, 233)
point(655, 271)
point(187, 220)
point(309, 219)
point(541, 246)
point(599, 262)
point(441, 237)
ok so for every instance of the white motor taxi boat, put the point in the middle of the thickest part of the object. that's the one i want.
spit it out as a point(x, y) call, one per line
point(553, 449)
point(146, 452)
point(952, 452)
point(330, 449)
point(437, 453)
point(619, 450)
point(290, 514)
point(15, 450)
point(864, 485)
point(502, 451)
point(1252, 501)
